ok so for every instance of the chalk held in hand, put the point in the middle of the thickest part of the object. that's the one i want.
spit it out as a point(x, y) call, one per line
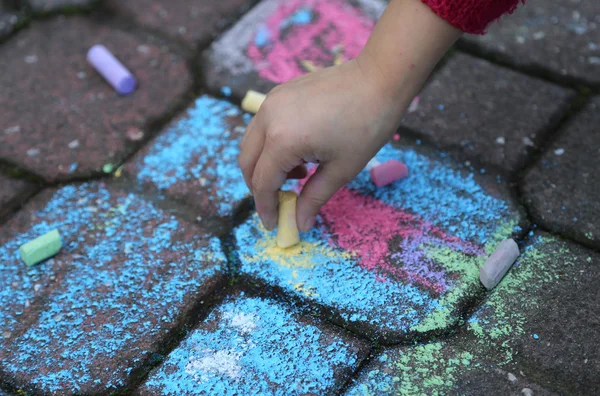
point(388, 172)
point(41, 248)
point(252, 101)
point(499, 263)
point(111, 69)
point(287, 229)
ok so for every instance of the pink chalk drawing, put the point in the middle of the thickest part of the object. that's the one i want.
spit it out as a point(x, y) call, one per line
point(304, 35)
point(372, 226)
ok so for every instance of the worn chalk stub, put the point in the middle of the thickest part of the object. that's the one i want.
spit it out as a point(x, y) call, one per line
point(41, 248)
point(498, 263)
point(287, 229)
point(252, 101)
point(388, 172)
point(111, 69)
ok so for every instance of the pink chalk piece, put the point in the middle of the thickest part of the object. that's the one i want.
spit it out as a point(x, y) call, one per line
point(396, 137)
point(111, 69)
point(388, 173)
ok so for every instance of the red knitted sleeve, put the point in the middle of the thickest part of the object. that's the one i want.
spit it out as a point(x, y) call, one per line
point(472, 16)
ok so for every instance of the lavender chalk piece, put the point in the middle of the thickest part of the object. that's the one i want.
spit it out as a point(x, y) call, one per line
point(111, 69)
point(499, 263)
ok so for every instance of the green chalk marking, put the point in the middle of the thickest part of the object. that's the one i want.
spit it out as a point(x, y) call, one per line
point(41, 248)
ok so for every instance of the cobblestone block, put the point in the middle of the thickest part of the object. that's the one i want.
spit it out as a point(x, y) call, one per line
point(395, 262)
point(60, 119)
point(196, 22)
point(251, 345)
point(537, 331)
point(558, 35)
point(279, 40)
point(562, 190)
point(93, 318)
point(487, 112)
point(12, 191)
point(194, 160)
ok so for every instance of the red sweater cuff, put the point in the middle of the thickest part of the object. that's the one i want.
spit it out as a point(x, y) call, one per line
point(472, 16)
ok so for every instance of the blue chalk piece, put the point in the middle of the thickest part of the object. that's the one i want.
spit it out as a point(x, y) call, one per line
point(536, 336)
point(115, 73)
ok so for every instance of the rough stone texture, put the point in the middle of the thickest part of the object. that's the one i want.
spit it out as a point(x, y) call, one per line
point(59, 118)
point(196, 22)
point(557, 35)
point(562, 189)
point(194, 161)
point(395, 262)
point(50, 6)
point(12, 191)
point(269, 45)
point(93, 317)
point(250, 345)
point(540, 324)
point(487, 112)
point(10, 18)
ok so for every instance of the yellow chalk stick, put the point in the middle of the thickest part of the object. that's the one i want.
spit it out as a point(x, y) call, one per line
point(287, 229)
point(252, 101)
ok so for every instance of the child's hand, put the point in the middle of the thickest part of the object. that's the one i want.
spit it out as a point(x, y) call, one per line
point(338, 117)
point(341, 116)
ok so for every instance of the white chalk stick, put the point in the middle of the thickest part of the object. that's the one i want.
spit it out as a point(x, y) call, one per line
point(499, 263)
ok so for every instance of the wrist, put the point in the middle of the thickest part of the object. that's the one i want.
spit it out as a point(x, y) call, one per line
point(406, 44)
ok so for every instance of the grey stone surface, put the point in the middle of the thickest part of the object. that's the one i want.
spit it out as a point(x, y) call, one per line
point(562, 190)
point(487, 112)
point(562, 36)
point(197, 22)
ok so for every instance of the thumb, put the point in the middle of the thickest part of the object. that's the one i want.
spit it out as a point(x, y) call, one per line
point(320, 187)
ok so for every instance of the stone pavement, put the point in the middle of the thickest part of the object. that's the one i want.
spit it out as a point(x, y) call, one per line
point(168, 284)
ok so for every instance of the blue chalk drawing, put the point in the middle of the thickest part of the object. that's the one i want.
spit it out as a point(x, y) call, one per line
point(126, 269)
point(255, 346)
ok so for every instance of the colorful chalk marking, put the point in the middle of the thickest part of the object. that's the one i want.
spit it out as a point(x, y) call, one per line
point(81, 322)
point(285, 39)
point(251, 346)
point(492, 336)
point(388, 261)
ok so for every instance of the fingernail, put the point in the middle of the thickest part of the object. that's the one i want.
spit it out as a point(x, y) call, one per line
point(268, 224)
point(308, 224)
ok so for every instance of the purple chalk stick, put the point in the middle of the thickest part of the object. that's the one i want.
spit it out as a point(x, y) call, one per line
point(111, 69)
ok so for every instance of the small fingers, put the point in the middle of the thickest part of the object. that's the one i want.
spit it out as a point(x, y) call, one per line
point(251, 147)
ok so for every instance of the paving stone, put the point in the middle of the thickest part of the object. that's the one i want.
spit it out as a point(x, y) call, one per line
point(487, 112)
point(273, 43)
point(60, 119)
point(196, 22)
point(395, 262)
point(12, 191)
point(250, 345)
point(559, 35)
point(10, 18)
point(49, 6)
point(194, 161)
point(537, 330)
point(562, 188)
point(95, 316)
